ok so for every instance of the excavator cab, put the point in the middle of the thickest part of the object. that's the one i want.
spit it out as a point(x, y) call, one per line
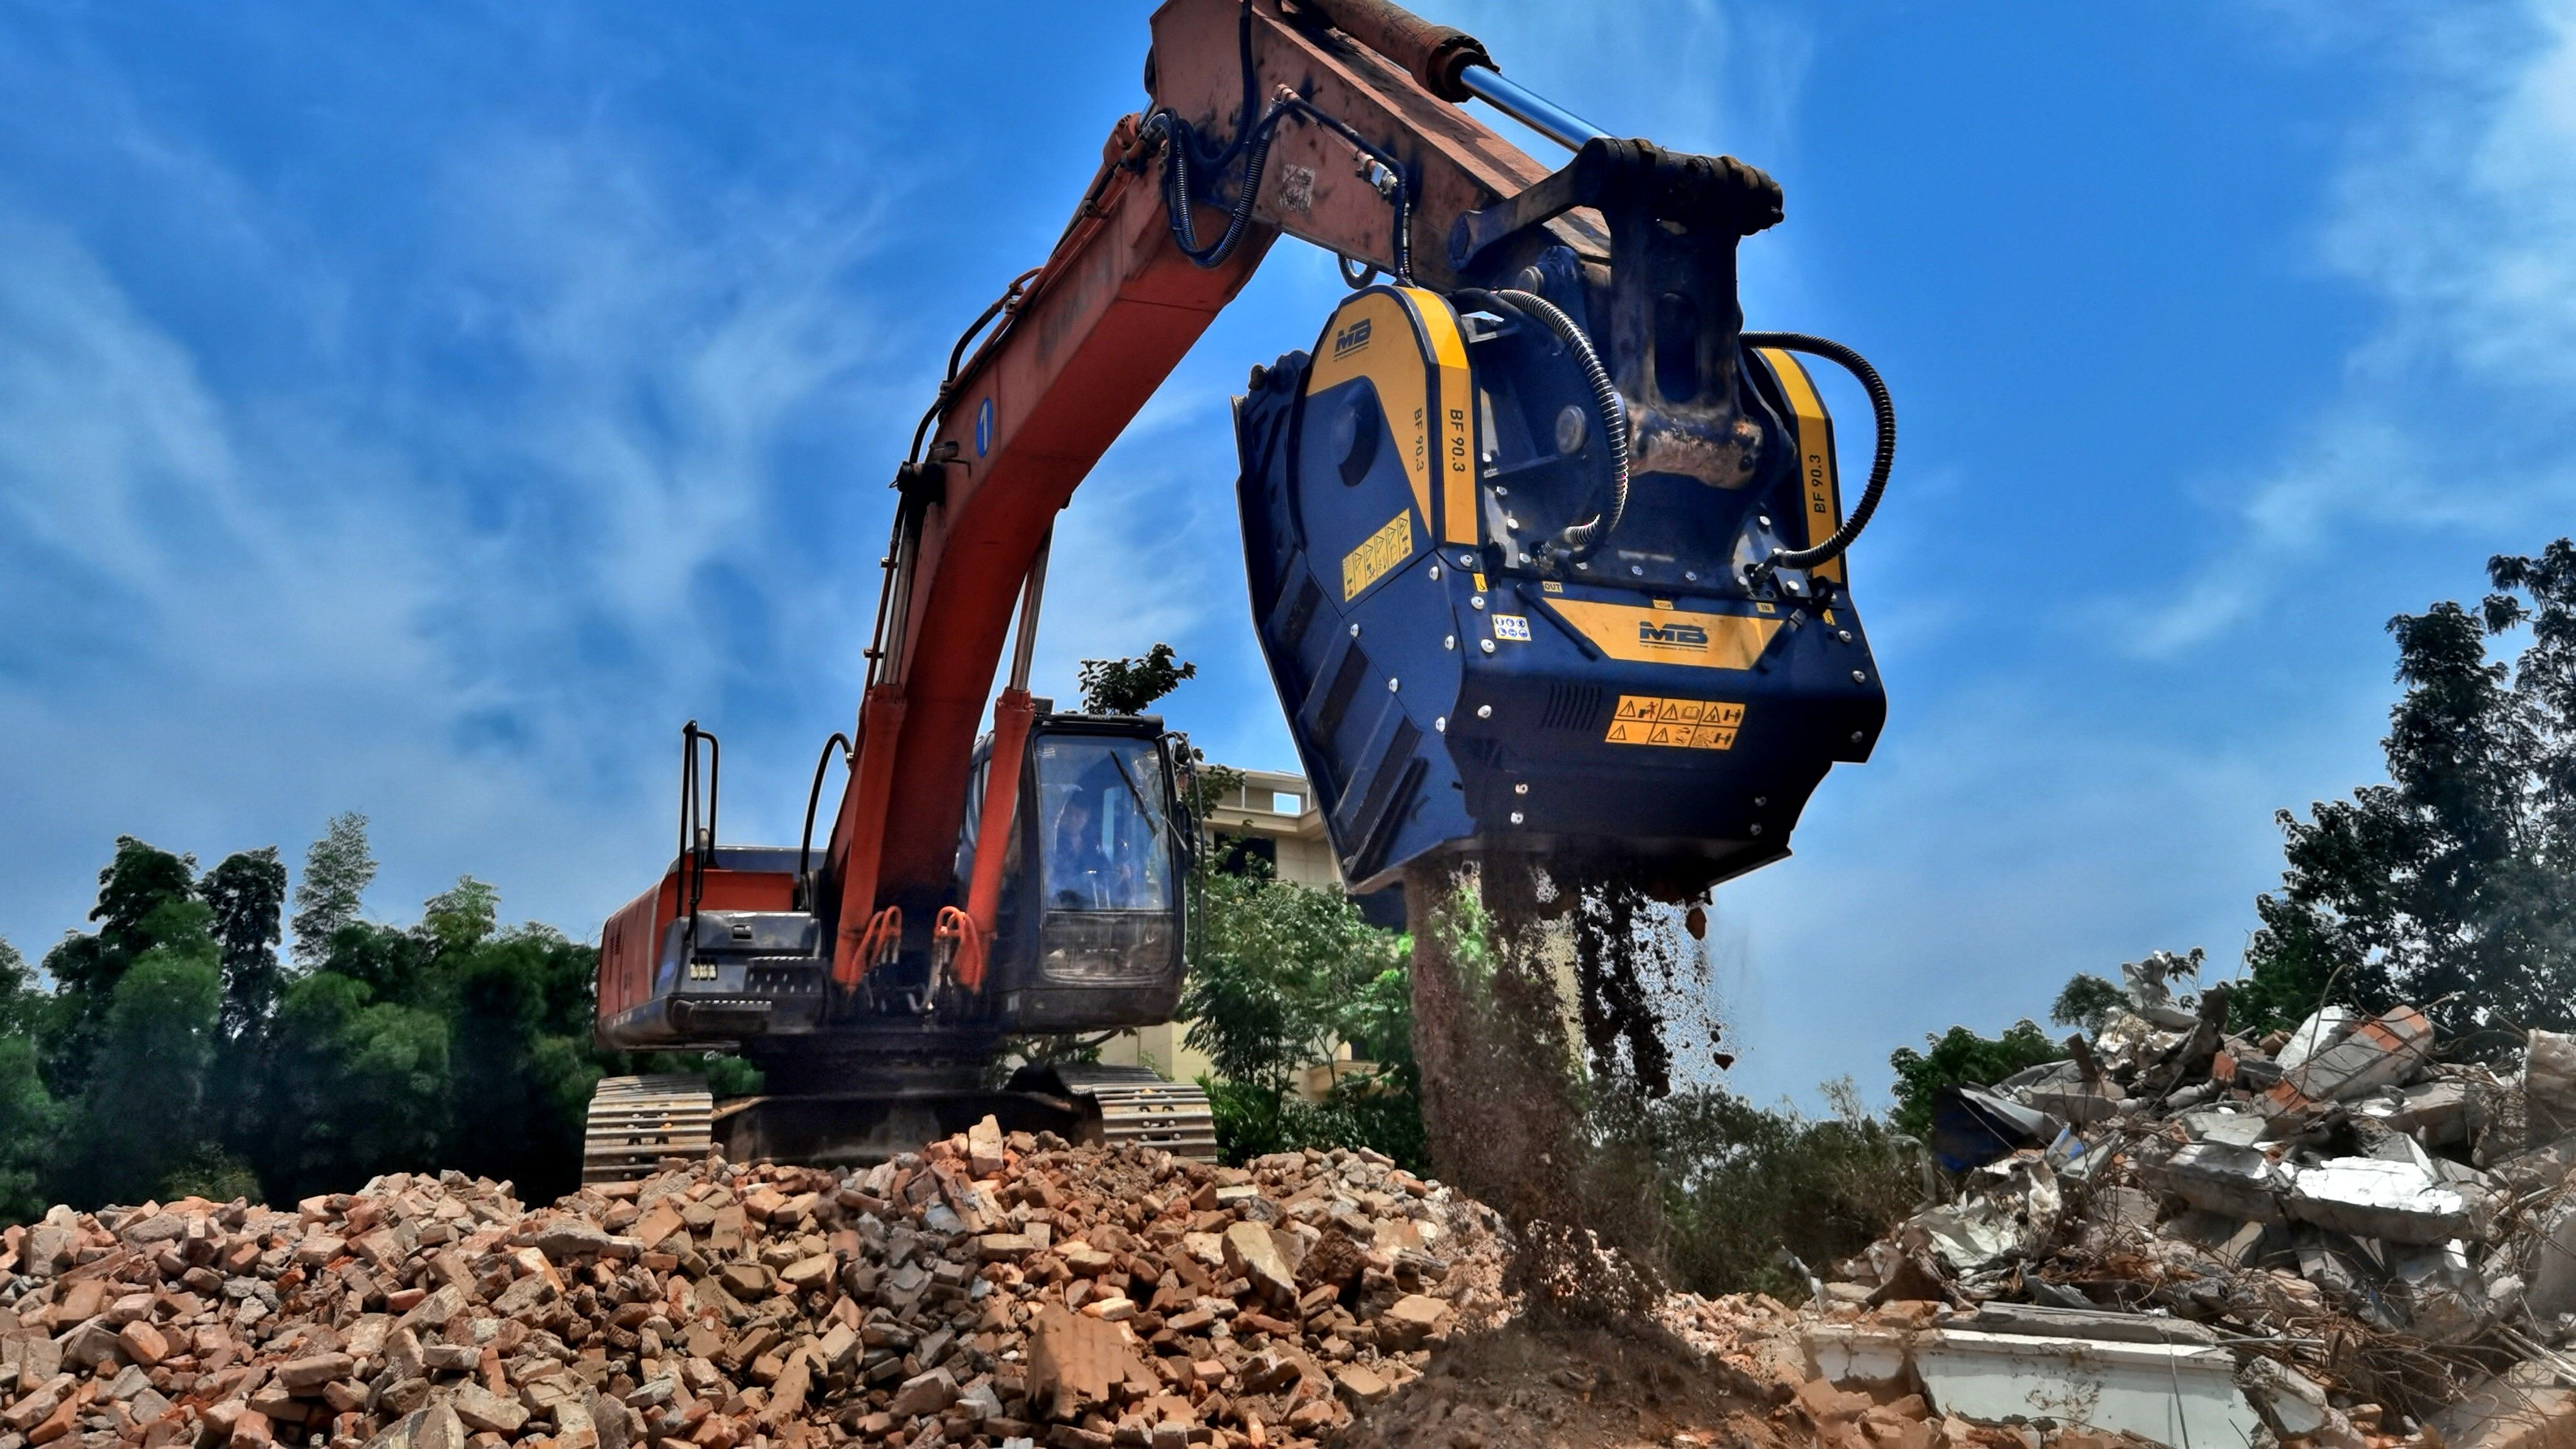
point(1089, 934)
point(1092, 919)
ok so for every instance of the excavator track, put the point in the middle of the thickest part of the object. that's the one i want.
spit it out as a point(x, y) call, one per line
point(1136, 1106)
point(635, 1122)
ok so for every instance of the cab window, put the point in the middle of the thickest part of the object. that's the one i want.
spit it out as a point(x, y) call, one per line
point(1104, 825)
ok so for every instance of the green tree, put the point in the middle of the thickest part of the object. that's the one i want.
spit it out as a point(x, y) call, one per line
point(337, 871)
point(523, 1068)
point(22, 1003)
point(394, 965)
point(2087, 1002)
point(29, 1118)
point(1126, 686)
point(462, 917)
point(1284, 975)
point(359, 1086)
point(1961, 1058)
point(2454, 884)
point(452, 1042)
point(1383, 1108)
point(140, 895)
point(1741, 1184)
point(30, 1123)
point(142, 1119)
point(247, 893)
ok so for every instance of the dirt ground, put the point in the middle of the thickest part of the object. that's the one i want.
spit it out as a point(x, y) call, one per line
point(1569, 1387)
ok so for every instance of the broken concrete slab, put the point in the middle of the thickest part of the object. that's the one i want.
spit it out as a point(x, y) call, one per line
point(1868, 1356)
point(2077, 1103)
point(2294, 1405)
point(2551, 1288)
point(2399, 1202)
point(2435, 1114)
point(2241, 1182)
point(2149, 988)
point(2537, 1169)
point(2328, 1026)
point(2033, 1320)
point(2224, 1125)
point(2005, 1207)
point(2445, 1299)
point(2127, 1040)
point(2549, 1086)
point(2166, 1393)
point(2387, 1051)
point(2230, 1240)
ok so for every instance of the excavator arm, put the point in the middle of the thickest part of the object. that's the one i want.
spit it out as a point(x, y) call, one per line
point(1081, 344)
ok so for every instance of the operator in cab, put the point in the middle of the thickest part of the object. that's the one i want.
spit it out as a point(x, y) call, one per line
point(1097, 851)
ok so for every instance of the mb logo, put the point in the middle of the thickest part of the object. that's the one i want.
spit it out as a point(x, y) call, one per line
point(1671, 636)
point(1352, 338)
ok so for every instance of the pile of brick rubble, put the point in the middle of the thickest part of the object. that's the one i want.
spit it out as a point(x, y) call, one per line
point(987, 1290)
point(2327, 1238)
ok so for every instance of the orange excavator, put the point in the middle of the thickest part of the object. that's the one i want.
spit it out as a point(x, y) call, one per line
point(1545, 553)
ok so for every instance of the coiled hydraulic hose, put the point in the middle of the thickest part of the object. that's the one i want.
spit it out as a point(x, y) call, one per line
point(1178, 199)
point(1581, 539)
point(1185, 149)
point(1880, 404)
point(1178, 192)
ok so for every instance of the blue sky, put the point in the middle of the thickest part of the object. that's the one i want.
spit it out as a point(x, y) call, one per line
point(423, 410)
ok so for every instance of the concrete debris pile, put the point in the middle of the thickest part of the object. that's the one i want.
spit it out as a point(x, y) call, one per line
point(988, 1290)
point(2328, 1235)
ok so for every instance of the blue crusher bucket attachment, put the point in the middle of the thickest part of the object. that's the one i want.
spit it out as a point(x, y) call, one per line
point(1521, 582)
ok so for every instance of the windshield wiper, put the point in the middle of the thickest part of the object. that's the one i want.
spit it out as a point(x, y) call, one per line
point(1136, 793)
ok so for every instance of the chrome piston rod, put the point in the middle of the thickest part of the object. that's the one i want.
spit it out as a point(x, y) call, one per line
point(1529, 108)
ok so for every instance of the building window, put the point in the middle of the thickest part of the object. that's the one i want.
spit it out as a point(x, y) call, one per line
point(1235, 855)
point(1283, 803)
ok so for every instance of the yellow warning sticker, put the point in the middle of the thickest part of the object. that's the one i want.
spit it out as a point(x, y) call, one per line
point(1681, 724)
point(1377, 555)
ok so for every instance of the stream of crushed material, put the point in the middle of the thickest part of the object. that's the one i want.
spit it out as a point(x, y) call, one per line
point(1543, 989)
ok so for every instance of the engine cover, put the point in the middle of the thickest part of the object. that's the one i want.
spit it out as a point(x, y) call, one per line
point(1457, 678)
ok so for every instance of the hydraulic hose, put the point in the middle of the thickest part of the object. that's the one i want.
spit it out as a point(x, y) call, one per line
point(813, 798)
point(1580, 539)
point(1885, 410)
point(1177, 173)
point(1252, 135)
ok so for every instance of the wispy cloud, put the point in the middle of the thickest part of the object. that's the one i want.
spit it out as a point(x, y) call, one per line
point(458, 540)
point(2456, 211)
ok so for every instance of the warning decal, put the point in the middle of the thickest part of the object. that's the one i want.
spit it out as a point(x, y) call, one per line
point(1681, 724)
point(1377, 555)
